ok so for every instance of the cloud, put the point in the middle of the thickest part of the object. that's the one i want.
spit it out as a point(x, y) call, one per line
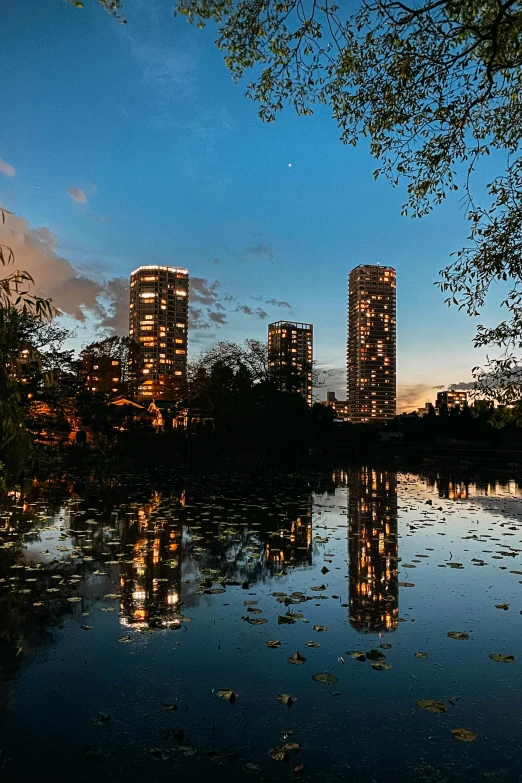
point(203, 292)
point(335, 380)
point(99, 218)
point(412, 396)
point(74, 293)
point(461, 386)
point(78, 195)
point(277, 303)
point(259, 252)
point(217, 316)
point(256, 312)
point(216, 260)
point(7, 169)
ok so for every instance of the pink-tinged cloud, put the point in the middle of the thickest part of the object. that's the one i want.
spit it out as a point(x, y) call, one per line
point(78, 195)
point(75, 294)
point(7, 169)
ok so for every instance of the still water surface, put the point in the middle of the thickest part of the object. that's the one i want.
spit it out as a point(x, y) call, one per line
point(125, 608)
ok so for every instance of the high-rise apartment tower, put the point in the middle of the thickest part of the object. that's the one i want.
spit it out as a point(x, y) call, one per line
point(372, 341)
point(290, 356)
point(158, 324)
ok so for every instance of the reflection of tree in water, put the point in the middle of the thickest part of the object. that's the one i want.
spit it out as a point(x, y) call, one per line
point(249, 543)
point(373, 550)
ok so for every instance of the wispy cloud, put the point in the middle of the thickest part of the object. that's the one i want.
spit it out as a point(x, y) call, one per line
point(462, 386)
point(7, 169)
point(256, 312)
point(278, 303)
point(259, 251)
point(98, 218)
point(78, 195)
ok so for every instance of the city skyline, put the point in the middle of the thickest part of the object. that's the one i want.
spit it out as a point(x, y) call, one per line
point(194, 179)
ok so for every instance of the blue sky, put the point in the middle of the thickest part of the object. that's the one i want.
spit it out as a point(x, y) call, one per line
point(169, 163)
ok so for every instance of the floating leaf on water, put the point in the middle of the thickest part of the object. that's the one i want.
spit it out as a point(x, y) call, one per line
point(286, 698)
point(324, 570)
point(357, 655)
point(464, 735)
point(227, 695)
point(375, 655)
point(222, 756)
point(73, 599)
point(326, 678)
point(318, 588)
point(320, 627)
point(297, 658)
point(283, 618)
point(273, 643)
point(106, 609)
point(313, 644)
point(252, 768)
point(255, 620)
point(381, 666)
point(502, 606)
point(278, 754)
point(405, 584)
point(501, 658)
point(458, 635)
point(125, 639)
point(431, 705)
point(421, 655)
point(86, 627)
point(385, 646)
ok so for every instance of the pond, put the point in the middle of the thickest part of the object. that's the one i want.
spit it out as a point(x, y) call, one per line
point(358, 625)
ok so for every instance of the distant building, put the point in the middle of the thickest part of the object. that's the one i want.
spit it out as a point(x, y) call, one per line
point(102, 374)
point(451, 398)
point(158, 323)
point(290, 356)
point(340, 407)
point(371, 352)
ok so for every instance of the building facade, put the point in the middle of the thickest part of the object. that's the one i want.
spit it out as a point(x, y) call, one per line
point(290, 356)
point(103, 374)
point(158, 324)
point(451, 399)
point(371, 349)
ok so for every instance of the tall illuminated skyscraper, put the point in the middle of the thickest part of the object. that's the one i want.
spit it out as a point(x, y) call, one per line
point(371, 354)
point(290, 356)
point(158, 324)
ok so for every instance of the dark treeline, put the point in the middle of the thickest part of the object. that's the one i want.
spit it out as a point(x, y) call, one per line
point(232, 406)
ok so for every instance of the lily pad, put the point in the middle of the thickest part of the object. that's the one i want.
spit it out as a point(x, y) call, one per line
point(273, 643)
point(320, 627)
point(431, 705)
point(381, 666)
point(501, 658)
point(227, 695)
point(326, 678)
point(297, 658)
point(464, 735)
point(421, 655)
point(286, 698)
point(458, 635)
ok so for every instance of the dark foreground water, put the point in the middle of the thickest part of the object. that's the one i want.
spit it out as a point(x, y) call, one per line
point(125, 609)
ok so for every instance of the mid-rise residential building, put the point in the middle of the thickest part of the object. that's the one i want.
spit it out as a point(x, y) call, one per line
point(339, 407)
point(451, 399)
point(158, 324)
point(371, 350)
point(102, 373)
point(290, 356)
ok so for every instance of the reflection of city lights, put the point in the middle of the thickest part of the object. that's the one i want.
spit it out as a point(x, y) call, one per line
point(139, 595)
point(172, 598)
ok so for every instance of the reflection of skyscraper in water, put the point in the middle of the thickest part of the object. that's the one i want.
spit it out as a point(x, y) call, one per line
point(373, 550)
point(150, 578)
